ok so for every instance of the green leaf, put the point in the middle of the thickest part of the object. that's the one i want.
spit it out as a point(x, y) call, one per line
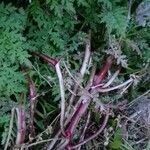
point(115, 20)
point(116, 143)
point(4, 119)
point(106, 3)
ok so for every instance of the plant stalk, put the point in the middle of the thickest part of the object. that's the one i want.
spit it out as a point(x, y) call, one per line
point(21, 126)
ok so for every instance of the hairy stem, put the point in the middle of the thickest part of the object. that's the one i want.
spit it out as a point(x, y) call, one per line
point(102, 72)
point(94, 135)
point(62, 93)
point(85, 128)
point(75, 80)
point(111, 79)
point(116, 87)
point(38, 142)
point(83, 105)
point(80, 107)
point(83, 68)
point(56, 64)
point(32, 96)
point(86, 56)
point(77, 116)
point(21, 126)
point(48, 59)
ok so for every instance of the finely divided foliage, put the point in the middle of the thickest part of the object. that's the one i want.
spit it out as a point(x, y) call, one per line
point(13, 49)
point(57, 32)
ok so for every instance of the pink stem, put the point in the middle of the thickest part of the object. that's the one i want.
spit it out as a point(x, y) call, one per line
point(85, 128)
point(21, 126)
point(32, 91)
point(80, 110)
point(56, 64)
point(32, 95)
point(103, 90)
point(94, 135)
point(83, 105)
point(102, 72)
point(48, 59)
point(76, 117)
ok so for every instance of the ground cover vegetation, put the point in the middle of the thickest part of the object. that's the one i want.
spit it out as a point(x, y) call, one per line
point(74, 74)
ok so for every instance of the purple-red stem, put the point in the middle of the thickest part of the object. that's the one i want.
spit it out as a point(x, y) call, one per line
point(94, 135)
point(56, 65)
point(84, 129)
point(48, 59)
point(32, 91)
point(21, 126)
point(32, 97)
point(82, 107)
point(100, 75)
point(76, 117)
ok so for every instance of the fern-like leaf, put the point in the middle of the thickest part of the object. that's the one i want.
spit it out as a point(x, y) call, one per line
point(115, 20)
